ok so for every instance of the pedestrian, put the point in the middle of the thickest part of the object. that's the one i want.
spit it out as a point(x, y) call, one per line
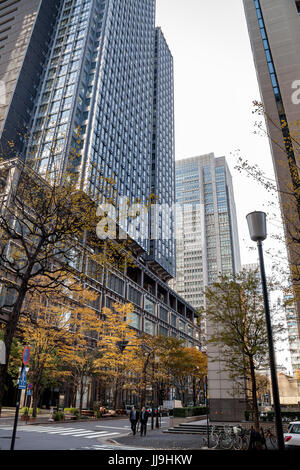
point(255, 442)
point(143, 420)
point(263, 439)
point(133, 417)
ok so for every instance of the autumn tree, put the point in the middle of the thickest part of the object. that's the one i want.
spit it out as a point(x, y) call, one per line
point(118, 343)
point(48, 229)
point(58, 328)
point(235, 310)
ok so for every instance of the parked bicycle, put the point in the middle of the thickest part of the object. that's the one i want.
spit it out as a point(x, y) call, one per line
point(226, 438)
point(212, 440)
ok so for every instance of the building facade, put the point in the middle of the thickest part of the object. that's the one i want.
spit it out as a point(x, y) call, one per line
point(206, 226)
point(207, 245)
point(102, 107)
point(93, 87)
point(274, 30)
point(293, 335)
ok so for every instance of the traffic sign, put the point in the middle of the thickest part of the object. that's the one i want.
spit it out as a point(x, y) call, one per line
point(29, 386)
point(22, 381)
point(29, 392)
point(26, 355)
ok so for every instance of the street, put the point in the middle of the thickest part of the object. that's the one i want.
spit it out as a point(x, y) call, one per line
point(70, 436)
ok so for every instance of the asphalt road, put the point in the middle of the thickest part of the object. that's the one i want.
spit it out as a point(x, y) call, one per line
point(73, 435)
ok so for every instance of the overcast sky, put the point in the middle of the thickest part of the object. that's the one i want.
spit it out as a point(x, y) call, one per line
point(215, 85)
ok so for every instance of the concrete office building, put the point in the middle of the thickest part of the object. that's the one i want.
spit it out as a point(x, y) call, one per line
point(207, 244)
point(274, 30)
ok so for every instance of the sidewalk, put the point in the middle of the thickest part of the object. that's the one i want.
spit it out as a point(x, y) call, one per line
point(7, 419)
point(157, 439)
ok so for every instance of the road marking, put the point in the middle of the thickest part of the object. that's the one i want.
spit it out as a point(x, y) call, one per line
point(111, 427)
point(72, 432)
point(104, 435)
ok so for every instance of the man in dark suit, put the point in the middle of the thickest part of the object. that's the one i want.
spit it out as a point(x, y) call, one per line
point(143, 419)
point(133, 417)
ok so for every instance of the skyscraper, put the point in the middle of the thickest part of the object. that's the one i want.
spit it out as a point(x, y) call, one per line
point(104, 108)
point(274, 30)
point(102, 105)
point(206, 225)
point(26, 29)
point(206, 245)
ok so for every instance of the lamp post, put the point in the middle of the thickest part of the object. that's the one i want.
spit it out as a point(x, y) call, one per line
point(258, 232)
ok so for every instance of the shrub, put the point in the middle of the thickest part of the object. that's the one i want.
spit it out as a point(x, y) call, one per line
point(59, 416)
point(72, 411)
point(28, 411)
point(188, 412)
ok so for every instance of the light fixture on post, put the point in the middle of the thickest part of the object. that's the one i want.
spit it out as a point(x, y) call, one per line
point(257, 224)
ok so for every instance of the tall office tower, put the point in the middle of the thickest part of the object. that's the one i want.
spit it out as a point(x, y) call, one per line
point(163, 219)
point(206, 225)
point(93, 87)
point(274, 30)
point(207, 244)
point(108, 80)
point(26, 28)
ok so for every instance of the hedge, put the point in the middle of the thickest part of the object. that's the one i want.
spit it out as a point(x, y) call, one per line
point(188, 412)
point(72, 411)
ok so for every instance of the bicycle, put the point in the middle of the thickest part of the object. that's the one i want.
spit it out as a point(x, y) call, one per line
point(213, 439)
point(226, 438)
point(271, 438)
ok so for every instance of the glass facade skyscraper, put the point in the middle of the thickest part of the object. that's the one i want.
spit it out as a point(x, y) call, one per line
point(206, 225)
point(206, 245)
point(104, 109)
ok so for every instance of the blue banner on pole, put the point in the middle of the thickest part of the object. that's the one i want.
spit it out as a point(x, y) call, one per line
point(22, 381)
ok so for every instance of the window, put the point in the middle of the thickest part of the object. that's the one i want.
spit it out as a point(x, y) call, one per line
point(135, 320)
point(134, 295)
point(115, 283)
point(163, 314)
point(149, 306)
point(149, 327)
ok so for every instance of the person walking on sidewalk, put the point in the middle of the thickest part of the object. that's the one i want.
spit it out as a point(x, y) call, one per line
point(143, 419)
point(133, 417)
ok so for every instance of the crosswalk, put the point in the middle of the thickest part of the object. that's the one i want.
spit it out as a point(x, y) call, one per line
point(108, 447)
point(64, 431)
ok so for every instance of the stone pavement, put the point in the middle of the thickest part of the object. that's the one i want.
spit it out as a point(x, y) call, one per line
point(158, 439)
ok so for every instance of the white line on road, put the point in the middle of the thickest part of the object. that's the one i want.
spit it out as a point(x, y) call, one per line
point(112, 427)
point(103, 435)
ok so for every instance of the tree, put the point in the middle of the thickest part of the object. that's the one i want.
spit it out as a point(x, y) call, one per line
point(115, 363)
point(48, 231)
point(235, 310)
point(57, 328)
point(287, 188)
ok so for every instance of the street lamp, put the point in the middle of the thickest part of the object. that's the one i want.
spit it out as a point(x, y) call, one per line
point(258, 232)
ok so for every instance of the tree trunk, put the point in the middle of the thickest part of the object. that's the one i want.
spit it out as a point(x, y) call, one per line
point(194, 391)
point(254, 395)
point(9, 334)
point(81, 392)
point(115, 398)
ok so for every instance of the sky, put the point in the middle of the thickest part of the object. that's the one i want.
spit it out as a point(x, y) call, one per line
point(215, 86)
